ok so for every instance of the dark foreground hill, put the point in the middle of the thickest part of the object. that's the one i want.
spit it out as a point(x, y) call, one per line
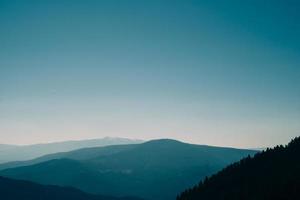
point(16, 190)
point(157, 169)
point(273, 174)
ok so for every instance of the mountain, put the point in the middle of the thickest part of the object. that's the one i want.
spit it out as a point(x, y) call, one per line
point(3, 149)
point(10, 153)
point(17, 189)
point(80, 154)
point(158, 169)
point(273, 174)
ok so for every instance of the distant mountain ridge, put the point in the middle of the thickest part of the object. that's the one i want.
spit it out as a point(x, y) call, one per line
point(273, 174)
point(17, 189)
point(9, 153)
point(157, 169)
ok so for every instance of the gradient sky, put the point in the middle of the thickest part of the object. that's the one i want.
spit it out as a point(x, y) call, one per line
point(222, 73)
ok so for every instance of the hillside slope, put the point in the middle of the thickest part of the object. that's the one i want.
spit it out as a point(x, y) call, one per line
point(17, 189)
point(79, 154)
point(9, 153)
point(273, 174)
point(157, 169)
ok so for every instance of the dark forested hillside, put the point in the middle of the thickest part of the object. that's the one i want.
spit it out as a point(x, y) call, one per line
point(17, 189)
point(157, 169)
point(272, 174)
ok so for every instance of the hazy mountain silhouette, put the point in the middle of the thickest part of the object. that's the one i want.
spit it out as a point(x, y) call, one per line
point(157, 169)
point(10, 153)
point(17, 189)
point(79, 154)
point(273, 174)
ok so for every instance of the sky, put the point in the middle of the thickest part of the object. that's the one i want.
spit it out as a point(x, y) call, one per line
point(223, 73)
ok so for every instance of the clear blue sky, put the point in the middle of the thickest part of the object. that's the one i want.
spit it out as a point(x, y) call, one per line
point(211, 72)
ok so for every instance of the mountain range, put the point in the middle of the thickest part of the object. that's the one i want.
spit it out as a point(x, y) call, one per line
point(9, 153)
point(157, 169)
